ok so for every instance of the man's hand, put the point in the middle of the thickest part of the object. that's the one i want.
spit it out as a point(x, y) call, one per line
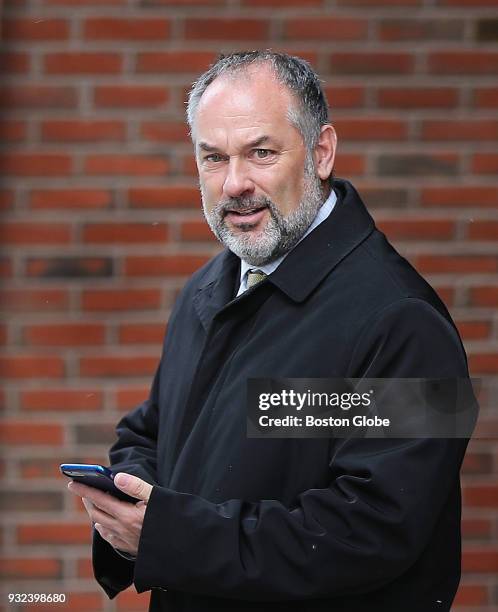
point(118, 522)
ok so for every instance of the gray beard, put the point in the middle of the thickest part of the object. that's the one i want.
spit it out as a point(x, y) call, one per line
point(280, 234)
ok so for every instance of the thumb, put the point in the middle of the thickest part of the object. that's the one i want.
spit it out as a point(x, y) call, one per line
point(131, 485)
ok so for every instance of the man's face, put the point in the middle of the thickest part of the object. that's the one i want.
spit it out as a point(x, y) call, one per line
point(259, 190)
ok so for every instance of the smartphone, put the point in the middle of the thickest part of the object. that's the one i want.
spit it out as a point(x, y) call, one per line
point(97, 476)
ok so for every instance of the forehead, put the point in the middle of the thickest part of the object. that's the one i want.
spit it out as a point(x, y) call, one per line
point(243, 103)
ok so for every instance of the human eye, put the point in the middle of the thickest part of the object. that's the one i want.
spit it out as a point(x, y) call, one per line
point(213, 157)
point(263, 154)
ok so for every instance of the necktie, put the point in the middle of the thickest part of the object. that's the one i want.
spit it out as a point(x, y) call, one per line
point(254, 277)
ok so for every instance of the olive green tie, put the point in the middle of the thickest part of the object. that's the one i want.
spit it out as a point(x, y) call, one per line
point(254, 277)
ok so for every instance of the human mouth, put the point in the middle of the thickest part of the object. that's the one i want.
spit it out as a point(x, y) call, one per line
point(246, 216)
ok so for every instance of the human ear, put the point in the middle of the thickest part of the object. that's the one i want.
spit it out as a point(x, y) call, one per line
point(324, 153)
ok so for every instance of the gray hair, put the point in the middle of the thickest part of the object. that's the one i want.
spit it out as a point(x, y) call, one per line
point(311, 111)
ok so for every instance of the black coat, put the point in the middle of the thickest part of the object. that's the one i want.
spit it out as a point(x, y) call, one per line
point(245, 524)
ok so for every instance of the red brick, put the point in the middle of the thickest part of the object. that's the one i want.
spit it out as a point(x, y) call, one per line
point(54, 533)
point(481, 496)
point(127, 399)
point(469, 3)
point(14, 63)
point(86, 2)
point(483, 230)
point(476, 528)
point(463, 62)
point(402, 30)
point(141, 333)
point(31, 366)
point(484, 296)
point(483, 363)
point(345, 97)
point(350, 163)
point(185, 2)
point(478, 130)
point(460, 195)
point(83, 131)
point(126, 165)
point(165, 131)
point(418, 229)
point(416, 97)
point(166, 265)
point(37, 96)
point(113, 28)
point(376, 3)
point(282, 3)
point(476, 462)
point(74, 62)
point(35, 29)
point(3, 341)
point(471, 595)
point(189, 166)
point(24, 433)
point(174, 61)
point(174, 196)
point(135, 96)
point(35, 164)
point(64, 334)
point(34, 300)
point(481, 560)
point(196, 230)
point(486, 97)
point(85, 569)
point(372, 62)
point(6, 199)
point(371, 128)
point(417, 164)
point(127, 233)
point(320, 28)
point(438, 264)
point(474, 330)
point(18, 233)
point(69, 267)
point(109, 300)
point(12, 131)
point(485, 163)
point(117, 365)
point(61, 399)
point(46, 199)
point(6, 268)
point(226, 29)
point(29, 568)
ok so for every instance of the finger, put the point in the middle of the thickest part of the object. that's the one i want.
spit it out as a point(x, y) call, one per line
point(107, 521)
point(134, 486)
point(114, 540)
point(107, 503)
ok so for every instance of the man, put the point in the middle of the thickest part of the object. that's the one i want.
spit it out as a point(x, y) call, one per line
point(307, 287)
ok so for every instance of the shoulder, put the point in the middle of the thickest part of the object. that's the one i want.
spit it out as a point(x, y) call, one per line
point(409, 337)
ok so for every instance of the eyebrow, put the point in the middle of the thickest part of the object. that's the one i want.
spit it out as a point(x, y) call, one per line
point(250, 145)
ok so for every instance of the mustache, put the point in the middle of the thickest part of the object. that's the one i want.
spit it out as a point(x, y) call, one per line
point(242, 203)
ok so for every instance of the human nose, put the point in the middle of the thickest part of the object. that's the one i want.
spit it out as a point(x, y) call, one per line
point(237, 180)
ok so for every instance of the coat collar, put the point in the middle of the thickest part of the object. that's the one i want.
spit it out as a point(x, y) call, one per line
point(303, 268)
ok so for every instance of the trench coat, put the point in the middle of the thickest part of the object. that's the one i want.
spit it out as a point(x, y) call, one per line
point(245, 524)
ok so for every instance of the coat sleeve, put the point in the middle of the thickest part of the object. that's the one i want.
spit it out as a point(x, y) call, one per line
point(361, 532)
point(135, 453)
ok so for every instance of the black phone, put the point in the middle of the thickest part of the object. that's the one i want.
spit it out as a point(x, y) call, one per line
point(97, 476)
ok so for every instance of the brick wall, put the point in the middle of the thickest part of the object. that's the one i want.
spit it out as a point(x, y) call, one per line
point(101, 221)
